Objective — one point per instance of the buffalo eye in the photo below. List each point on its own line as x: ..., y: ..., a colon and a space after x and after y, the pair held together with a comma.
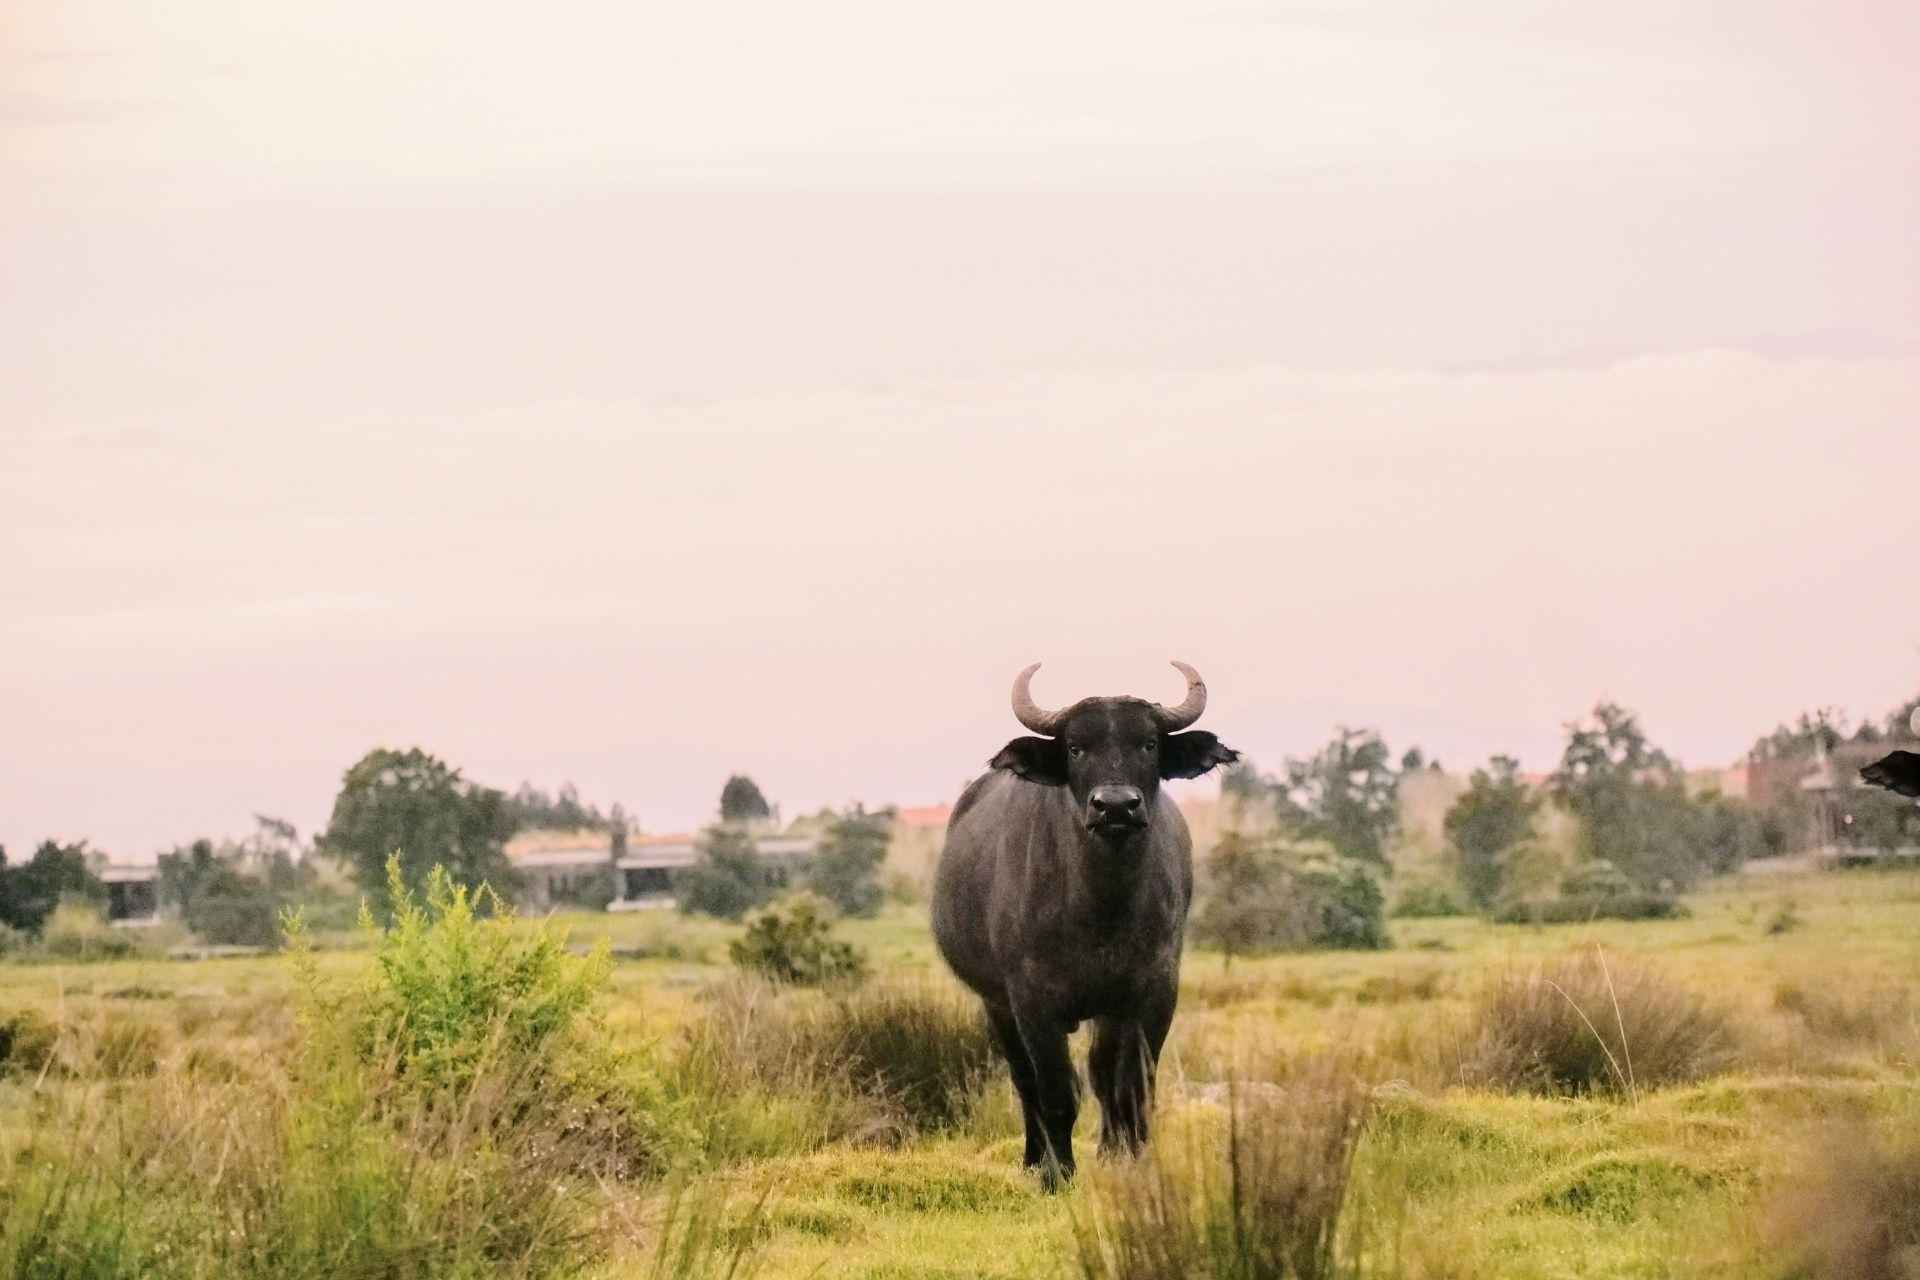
x: 1146, y: 747
x: 1076, y: 752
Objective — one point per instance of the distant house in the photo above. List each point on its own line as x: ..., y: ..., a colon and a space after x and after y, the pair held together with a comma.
x: 566, y: 868
x: 1823, y: 782
x: 133, y: 893
x: 919, y: 833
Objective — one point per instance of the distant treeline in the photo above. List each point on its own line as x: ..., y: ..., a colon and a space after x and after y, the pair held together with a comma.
x: 1615, y: 830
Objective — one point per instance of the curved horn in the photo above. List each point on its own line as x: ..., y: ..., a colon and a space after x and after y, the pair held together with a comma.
x: 1028, y: 712
x: 1173, y: 718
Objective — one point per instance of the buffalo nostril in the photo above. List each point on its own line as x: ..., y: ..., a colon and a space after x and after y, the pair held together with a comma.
x: 1115, y: 801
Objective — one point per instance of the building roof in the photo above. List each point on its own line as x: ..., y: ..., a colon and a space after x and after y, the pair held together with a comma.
x: 924, y: 815
x: 529, y: 842
x: 648, y: 851
x: 537, y: 858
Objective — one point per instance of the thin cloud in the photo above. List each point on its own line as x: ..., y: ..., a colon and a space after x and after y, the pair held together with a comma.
x: 655, y: 594
x: 21, y: 110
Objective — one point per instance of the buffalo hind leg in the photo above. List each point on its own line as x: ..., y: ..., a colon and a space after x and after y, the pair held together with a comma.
x: 1006, y: 1034
x: 1126, y: 1054
x: 1117, y: 1046
x: 1055, y: 1092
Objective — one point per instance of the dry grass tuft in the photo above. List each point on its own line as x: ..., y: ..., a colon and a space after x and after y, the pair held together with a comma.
x: 1263, y: 1201
x: 1857, y: 1216
x: 879, y: 1062
x: 1590, y: 1024
x: 1880, y: 1014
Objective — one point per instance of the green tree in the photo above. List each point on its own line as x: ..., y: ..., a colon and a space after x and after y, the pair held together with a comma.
x: 741, y: 801
x: 1727, y: 831
x: 183, y: 869
x: 1877, y: 819
x: 30, y: 892
x: 1630, y: 801
x: 728, y: 877
x: 1238, y: 903
x: 1344, y: 795
x: 1242, y: 780
x: 1494, y: 814
x: 846, y: 871
x: 1821, y: 729
x: 415, y: 805
x: 532, y: 809
x: 219, y: 899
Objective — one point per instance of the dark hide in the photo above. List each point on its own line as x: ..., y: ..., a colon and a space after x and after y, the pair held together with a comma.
x: 1898, y: 772
x: 1061, y: 898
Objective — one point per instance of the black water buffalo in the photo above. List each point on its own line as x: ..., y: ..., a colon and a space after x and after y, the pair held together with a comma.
x: 1898, y: 772
x: 1062, y: 896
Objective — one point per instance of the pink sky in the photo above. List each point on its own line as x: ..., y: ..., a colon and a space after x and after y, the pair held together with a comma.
x: 636, y: 394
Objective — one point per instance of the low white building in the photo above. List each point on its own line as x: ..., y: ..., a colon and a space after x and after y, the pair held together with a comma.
x: 133, y: 893
x: 559, y: 868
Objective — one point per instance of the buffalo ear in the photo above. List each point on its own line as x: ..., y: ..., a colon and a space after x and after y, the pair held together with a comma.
x: 1041, y: 760
x: 1188, y: 755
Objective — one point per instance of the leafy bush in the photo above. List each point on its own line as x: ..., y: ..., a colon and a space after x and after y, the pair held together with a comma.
x: 453, y: 994
x: 469, y: 1041
x: 1596, y: 878
x: 1429, y: 899
x: 1265, y: 1204
x: 1580, y: 910
x: 1727, y: 831
x: 1342, y: 905
x: 728, y: 879
x: 76, y: 932
x: 237, y: 913
x: 846, y: 871
x: 227, y: 897
x: 792, y: 941
x: 1264, y: 895
x: 1584, y: 1024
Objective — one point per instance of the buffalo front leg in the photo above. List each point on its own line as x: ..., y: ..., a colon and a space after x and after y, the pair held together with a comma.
x: 1006, y: 1034
x: 1054, y: 1092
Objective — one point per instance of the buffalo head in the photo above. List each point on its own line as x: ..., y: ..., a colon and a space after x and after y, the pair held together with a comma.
x: 1111, y: 753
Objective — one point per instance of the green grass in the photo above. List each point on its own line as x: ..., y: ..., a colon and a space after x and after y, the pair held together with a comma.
x: 1448, y: 1179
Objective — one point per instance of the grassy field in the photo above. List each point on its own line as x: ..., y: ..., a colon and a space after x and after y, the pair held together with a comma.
x: 1745, y: 1154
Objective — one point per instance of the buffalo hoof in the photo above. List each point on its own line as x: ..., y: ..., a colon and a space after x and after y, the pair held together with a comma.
x: 1053, y: 1175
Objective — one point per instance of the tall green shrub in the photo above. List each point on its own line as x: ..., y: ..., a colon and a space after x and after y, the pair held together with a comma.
x: 846, y: 871
x: 728, y: 877
x: 1262, y: 895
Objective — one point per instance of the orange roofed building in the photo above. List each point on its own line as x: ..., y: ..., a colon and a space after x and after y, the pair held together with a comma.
x: 919, y: 833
